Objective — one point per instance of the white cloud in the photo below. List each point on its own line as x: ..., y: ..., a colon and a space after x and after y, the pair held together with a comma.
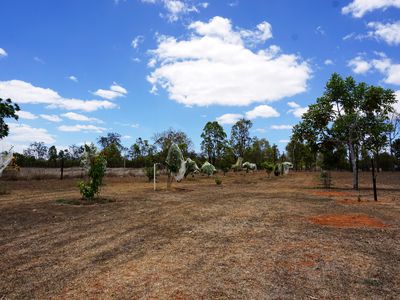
x: 126, y: 137
x: 26, y: 115
x: 262, y: 111
x: 390, y: 70
x: 22, y: 133
x: 213, y: 67
x: 284, y: 141
x: 229, y: 119
x: 25, y: 92
x: 3, y: 53
x: 73, y: 78
x: 262, y: 33
x: 358, y: 8
x: 79, y: 117
x: 328, y: 62
x: 359, y: 65
x: 261, y: 130
x: 51, y: 118
x: 78, y: 128
x: 281, y: 127
x: 137, y: 41
x: 115, y: 91
x: 296, y: 110
x: 176, y: 9
x: 389, y: 32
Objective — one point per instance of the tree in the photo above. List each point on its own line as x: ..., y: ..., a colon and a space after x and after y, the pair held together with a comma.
x: 37, y: 150
x: 165, y: 139
x: 396, y: 149
x: 214, y: 141
x: 112, y: 138
x: 7, y: 110
x: 240, y: 137
x: 52, y: 154
x: 258, y: 151
x: 348, y: 114
x: 74, y: 152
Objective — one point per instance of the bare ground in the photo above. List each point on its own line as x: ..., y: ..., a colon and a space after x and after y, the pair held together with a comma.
x: 253, y: 237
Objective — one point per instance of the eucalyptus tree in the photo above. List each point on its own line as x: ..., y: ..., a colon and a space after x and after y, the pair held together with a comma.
x: 350, y: 114
x: 214, y: 141
x: 240, y: 137
x: 7, y: 110
x: 163, y: 141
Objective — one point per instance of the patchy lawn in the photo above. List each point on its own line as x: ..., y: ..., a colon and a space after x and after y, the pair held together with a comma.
x: 251, y: 237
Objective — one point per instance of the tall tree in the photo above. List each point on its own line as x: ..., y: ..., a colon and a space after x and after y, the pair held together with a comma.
x: 240, y: 137
x: 346, y: 114
x: 112, y: 138
x: 52, y: 153
x: 7, y: 110
x: 163, y: 140
x: 214, y: 141
x: 37, y: 150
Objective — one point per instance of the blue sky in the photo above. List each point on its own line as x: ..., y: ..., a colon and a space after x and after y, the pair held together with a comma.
x: 80, y: 69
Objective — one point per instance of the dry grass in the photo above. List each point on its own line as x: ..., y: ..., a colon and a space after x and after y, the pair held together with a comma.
x: 249, y: 238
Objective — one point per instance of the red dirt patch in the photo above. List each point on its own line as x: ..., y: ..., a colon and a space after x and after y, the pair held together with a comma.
x: 347, y: 221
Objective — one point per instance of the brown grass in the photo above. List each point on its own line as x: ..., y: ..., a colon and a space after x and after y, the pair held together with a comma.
x: 249, y: 238
x: 347, y: 221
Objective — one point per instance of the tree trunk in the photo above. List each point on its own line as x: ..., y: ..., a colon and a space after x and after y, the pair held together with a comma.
x: 353, y: 165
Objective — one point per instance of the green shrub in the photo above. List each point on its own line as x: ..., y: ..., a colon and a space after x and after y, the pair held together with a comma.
x: 149, y: 171
x: 268, y: 167
x: 326, y: 179
x: 97, y: 170
x: 218, y: 181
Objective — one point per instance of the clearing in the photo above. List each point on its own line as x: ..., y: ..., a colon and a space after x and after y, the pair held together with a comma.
x: 252, y: 237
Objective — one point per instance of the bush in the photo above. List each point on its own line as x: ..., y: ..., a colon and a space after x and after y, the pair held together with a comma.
x: 326, y: 179
x: 268, y: 167
x: 97, y: 170
x: 218, y: 181
x: 149, y: 171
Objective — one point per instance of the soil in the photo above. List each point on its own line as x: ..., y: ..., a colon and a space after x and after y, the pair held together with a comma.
x: 252, y: 237
x: 347, y: 221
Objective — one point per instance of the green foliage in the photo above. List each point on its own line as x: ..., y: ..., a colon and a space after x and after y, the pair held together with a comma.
x: 218, y: 181
x: 240, y: 137
x: 278, y: 169
x: 7, y: 110
x: 165, y: 139
x: 214, y: 141
x: 149, y: 171
x: 268, y: 167
x: 208, y: 168
x: 97, y: 170
x: 174, y: 158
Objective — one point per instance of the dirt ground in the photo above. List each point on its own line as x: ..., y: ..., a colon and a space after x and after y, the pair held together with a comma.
x: 253, y: 237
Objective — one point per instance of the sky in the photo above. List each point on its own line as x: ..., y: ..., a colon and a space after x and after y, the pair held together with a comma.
x: 80, y: 69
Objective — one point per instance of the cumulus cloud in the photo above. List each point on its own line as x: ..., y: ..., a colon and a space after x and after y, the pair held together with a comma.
x: 229, y: 119
x: 3, y: 53
x: 262, y: 111
x: 296, y: 109
x: 79, y: 117
x: 382, y: 64
x: 214, y: 67
x: 26, y: 115
x: 78, y: 128
x: 281, y: 127
x: 51, y: 118
x: 22, y: 133
x: 115, y: 91
x: 26, y: 93
x: 389, y: 32
x: 328, y: 62
x: 359, y: 65
x: 359, y: 8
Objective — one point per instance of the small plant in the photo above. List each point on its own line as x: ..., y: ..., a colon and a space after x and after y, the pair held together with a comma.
x: 97, y: 169
x: 277, y: 170
x: 218, y: 181
x: 326, y: 179
x: 268, y: 167
x: 149, y: 171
